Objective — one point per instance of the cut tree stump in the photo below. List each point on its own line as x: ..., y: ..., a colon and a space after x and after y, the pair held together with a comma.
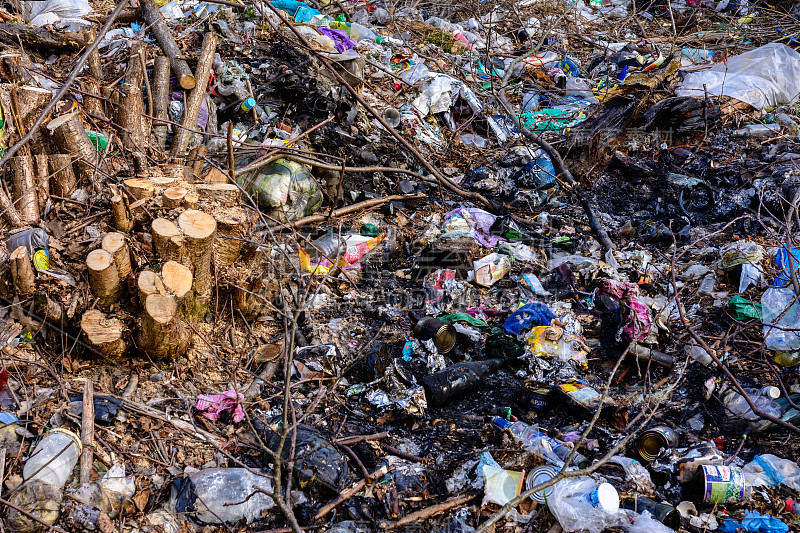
x: 103, y: 277
x: 177, y: 280
x: 140, y: 188
x: 148, y: 283
x: 225, y: 194
x: 120, y: 215
x: 22, y: 272
x: 196, y: 160
x: 167, y: 240
x: 191, y: 200
x: 63, y: 181
x: 23, y: 181
x: 114, y: 243
x: 31, y: 101
x: 173, y: 197
x: 162, y: 334
x: 102, y: 333
x: 70, y: 137
x: 228, y: 243
x: 199, y: 230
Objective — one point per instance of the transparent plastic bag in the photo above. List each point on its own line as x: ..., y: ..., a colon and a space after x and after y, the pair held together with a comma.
x: 569, y: 505
x: 781, y: 314
x: 765, y: 77
x: 63, y: 8
x: 644, y: 523
x: 771, y: 470
x: 286, y: 187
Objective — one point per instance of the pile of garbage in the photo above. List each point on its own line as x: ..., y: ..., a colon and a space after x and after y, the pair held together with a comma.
x: 362, y: 266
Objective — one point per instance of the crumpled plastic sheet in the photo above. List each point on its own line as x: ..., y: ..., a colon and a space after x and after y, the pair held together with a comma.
x: 340, y: 38
x: 477, y: 221
x: 637, y: 322
x: 765, y: 77
x: 212, y: 405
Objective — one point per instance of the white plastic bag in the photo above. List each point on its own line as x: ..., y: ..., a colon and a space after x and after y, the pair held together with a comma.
x: 764, y: 77
x: 63, y: 8
x: 573, y: 511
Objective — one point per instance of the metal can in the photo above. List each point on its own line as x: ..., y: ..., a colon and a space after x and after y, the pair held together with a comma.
x: 537, y: 476
x: 720, y: 484
x: 653, y: 443
x: 443, y: 334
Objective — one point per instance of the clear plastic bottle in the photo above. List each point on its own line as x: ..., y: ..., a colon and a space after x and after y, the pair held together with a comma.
x: 781, y: 315
x: 528, y: 435
x: 698, y: 55
x: 223, y: 496
x: 53, y: 458
x: 757, y: 131
x: 788, y: 122
x: 764, y: 400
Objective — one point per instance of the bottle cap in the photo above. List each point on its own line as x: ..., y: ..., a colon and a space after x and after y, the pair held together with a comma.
x: 789, y: 505
x: 771, y: 392
x: 248, y: 104
x: 379, y: 39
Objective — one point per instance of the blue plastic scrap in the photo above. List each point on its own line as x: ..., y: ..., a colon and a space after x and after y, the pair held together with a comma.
x: 754, y: 522
x: 527, y: 316
x: 786, y: 264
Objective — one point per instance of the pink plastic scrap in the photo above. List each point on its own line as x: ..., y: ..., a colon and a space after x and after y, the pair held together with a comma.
x: 211, y: 405
x: 637, y: 321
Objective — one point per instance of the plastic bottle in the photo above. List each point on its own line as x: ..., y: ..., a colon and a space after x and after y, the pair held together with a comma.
x: 764, y: 399
x: 781, y: 316
x: 697, y: 353
x: 663, y: 512
x: 328, y: 246
x: 234, y: 110
x: 707, y: 285
x: 223, y: 495
x: 357, y: 32
x: 698, y: 55
x: 787, y: 121
x: 456, y: 380
x: 757, y: 131
x: 528, y: 435
x: 53, y: 458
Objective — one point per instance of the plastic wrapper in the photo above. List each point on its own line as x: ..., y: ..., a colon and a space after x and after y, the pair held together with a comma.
x: 644, y: 523
x: 739, y: 253
x: 474, y: 222
x: 785, y: 261
x: 765, y: 77
x: 491, y: 269
x: 573, y: 511
x: 501, y: 486
x: 435, y: 95
x: 551, y: 341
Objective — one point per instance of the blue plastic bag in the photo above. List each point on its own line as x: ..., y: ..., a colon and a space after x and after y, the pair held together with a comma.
x: 755, y: 522
x: 786, y: 261
x: 527, y: 316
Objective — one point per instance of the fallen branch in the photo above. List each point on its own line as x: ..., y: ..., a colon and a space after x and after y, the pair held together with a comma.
x: 349, y: 493
x: 347, y: 210
x: 155, y: 20
x: 424, y: 514
x: 12, y: 33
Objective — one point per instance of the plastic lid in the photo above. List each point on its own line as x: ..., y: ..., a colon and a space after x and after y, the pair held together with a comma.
x: 771, y: 391
x: 607, y: 497
x: 249, y: 104
x: 379, y: 39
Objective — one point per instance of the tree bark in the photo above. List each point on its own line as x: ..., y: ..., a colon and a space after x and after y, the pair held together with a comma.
x: 196, y: 161
x: 87, y: 433
x: 24, y: 189
x: 102, y: 333
x: 225, y: 194
x: 103, y: 277
x: 69, y: 136
x: 155, y: 21
x: 160, y: 100
x: 114, y: 243
x: 11, y: 33
x: 30, y: 101
x: 42, y: 172
x: 199, y: 230
x: 9, y: 211
x: 130, y: 116
x: 22, y: 272
x: 230, y: 228
x: 167, y: 240
x: 162, y: 335
x: 63, y: 181
x: 202, y: 74
x: 92, y: 103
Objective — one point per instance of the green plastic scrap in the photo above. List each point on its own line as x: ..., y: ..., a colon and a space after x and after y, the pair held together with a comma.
x: 744, y: 309
x: 464, y: 317
x: 548, y: 119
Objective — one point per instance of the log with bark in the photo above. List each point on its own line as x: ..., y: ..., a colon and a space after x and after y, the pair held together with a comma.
x: 155, y: 22
x: 224, y: 194
x: 114, y: 243
x: 23, y: 180
x: 196, y: 160
x: 228, y: 242
x: 173, y: 197
x: 70, y: 137
x: 160, y: 100
x: 195, y: 99
x: 42, y: 173
x: 130, y: 117
x: 162, y: 334
x: 62, y: 182
x: 12, y: 33
x: 102, y: 333
x: 120, y: 215
x: 30, y: 102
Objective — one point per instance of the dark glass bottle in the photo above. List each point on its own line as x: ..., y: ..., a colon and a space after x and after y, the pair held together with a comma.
x: 456, y: 380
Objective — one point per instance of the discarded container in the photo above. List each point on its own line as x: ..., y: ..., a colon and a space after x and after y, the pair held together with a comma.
x: 781, y: 319
x: 663, y: 512
x: 530, y: 436
x: 537, y: 476
x: 223, y: 496
x: 655, y: 442
x: 32, y: 239
x: 53, y: 458
x: 757, y: 131
x: 457, y: 380
x: 235, y: 110
x: 491, y: 268
x: 695, y: 457
x: 717, y: 484
x: 443, y: 334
